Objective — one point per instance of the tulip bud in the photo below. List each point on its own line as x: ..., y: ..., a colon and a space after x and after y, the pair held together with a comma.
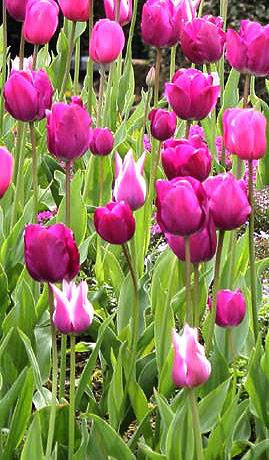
x: 73, y: 312
x: 231, y: 308
x: 50, y: 253
x: 16, y: 9
x: 244, y: 133
x: 41, y: 21
x: 107, y: 41
x: 181, y: 206
x: 101, y: 141
x: 75, y: 10
x: 68, y: 128
x: 228, y: 201
x: 150, y: 78
x: 6, y: 169
x: 130, y: 185
x: 115, y: 222
x: 159, y: 26
x: 125, y: 11
x: 28, y: 94
x: 191, y: 368
x: 191, y: 94
x: 163, y: 123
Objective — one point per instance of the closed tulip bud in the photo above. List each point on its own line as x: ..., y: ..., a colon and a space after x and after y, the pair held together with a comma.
x: 68, y: 129
x: 16, y: 9
x: 150, y: 78
x: 244, y: 133
x: 75, y: 11
x: 228, y: 201
x: 181, y: 206
x: 41, y: 21
x: 115, y: 222
x: 27, y: 63
x: 101, y: 141
x: 191, y: 94
x: 130, y: 185
x: 50, y: 253
x: 191, y: 368
x: 125, y: 15
x: 107, y: 41
x: 6, y: 169
x: 231, y: 308
x: 247, y: 51
x: 162, y: 123
x: 73, y: 312
x: 28, y: 94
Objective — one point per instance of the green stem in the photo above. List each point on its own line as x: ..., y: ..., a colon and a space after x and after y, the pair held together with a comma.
x: 111, y: 76
x: 101, y: 189
x: 252, y: 252
x: 141, y: 147
x: 90, y: 61
x: 77, y: 66
x: 118, y: 11
x: 173, y: 61
x: 68, y: 60
x: 246, y: 90
x: 22, y: 43
x: 34, y: 171
x: 67, y: 193
x: 4, y: 64
x: 233, y: 239
x: 212, y: 316
x: 19, y: 161
x: 233, y: 360
x: 88, y: 178
x: 189, y: 313
x: 187, y: 128
x: 131, y: 31
x: 196, y: 295
x: 223, y: 12
x: 100, y: 96
x: 35, y: 56
x: 196, y: 425
x: 62, y: 367
x: 157, y: 77
x: 200, y: 12
x: 71, y: 439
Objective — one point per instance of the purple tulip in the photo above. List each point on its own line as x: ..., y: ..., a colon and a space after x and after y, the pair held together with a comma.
x: 68, y: 129
x: 130, y: 185
x: 41, y: 21
x: 228, y: 200
x: 244, y: 133
x: 191, y: 368
x: 231, y: 308
x: 107, y: 41
x: 247, y: 51
x: 191, y: 94
x: 6, y: 169
x: 75, y: 11
x: 181, y: 206
x: 50, y: 253
x: 28, y: 94
x: 73, y: 312
x: 101, y: 141
x: 115, y: 222
x: 162, y: 123
x: 125, y: 10
x: 16, y: 9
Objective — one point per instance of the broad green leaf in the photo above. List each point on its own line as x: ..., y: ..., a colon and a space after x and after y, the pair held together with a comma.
x: 92, y: 183
x: 113, y: 270
x: 116, y: 391
x: 167, y: 416
x: 140, y: 406
x: 10, y: 397
x: 255, y: 452
x: 210, y: 407
x: 33, y: 443
x: 150, y: 453
x: 179, y: 442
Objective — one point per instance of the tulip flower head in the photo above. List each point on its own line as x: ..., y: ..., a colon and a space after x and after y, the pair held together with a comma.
x: 41, y: 21
x: 75, y: 10
x: 73, y: 312
x: 115, y: 222
x: 107, y: 41
x: 101, y: 141
x: 130, y: 185
x: 125, y: 10
x: 162, y: 123
x: 187, y: 10
x: 6, y: 169
x: 231, y: 308
x: 16, y: 9
x: 191, y: 368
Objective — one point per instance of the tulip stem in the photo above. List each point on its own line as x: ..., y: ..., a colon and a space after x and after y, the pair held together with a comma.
x: 117, y: 11
x: 68, y: 60
x: 100, y: 96
x: 22, y: 43
x: 149, y: 95
x: 200, y: 12
x: 196, y: 425
x: 131, y: 31
x: 157, y: 77
x: 246, y: 90
x: 62, y: 367
x: 72, y: 398
x: 77, y: 66
x: 19, y: 172
x: 107, y: 108
x: 67, y: 193
x: 189, y: 315
x: 35, y: 56
x: 196, y: 295
x: 233, y: 239
x: 233, y: 360
x: 212, y: 316
x: 34, y: 170
x: 187, y: 128
x: 54, y: 380
x: 101, y: 189
x: 173, y: 61
x: 252, y: 252
x: 223, y: 12
x: 4, y: 64
x: 90, y: 61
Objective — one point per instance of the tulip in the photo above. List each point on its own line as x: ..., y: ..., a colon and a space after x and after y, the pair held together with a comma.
x: 73, y: 312
x: 130, y: 185
x: 247, y: 51
x: 160, y: 23
x: 231, y: 308
x: 75, y: 10
x: 245, y: 133
x: 68, y: 128
x: 50, y: 253
x: 28, y: 94
x: 191, y: 94
x: 181, y: 206
x: 191, y: 368
x: 115, y: 222
x: 101, y: 141
x: 202, y: 245
x: 125, y: 15
x: 187, y: 10
x: 107, y: 41
x: 228, y: 201
x: 41, y: 21
x: 16, y: 8
x: 186, y: 157
x: 6, y: 169
x: 163, y: 123
x: 26, y: 65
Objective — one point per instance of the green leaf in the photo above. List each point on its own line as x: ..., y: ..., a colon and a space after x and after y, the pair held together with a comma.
x: 113, y: 270
x: 179, y: 442
x: 263, y: 165
x: 255, y: 453
x: 115, y: 391
x: 140, y: 406
x: 210, y: 407
x: 92, y: 182
x: 10, y: 397
x: 33, y: 444
x: 167, y: 416
x: 150, y: 453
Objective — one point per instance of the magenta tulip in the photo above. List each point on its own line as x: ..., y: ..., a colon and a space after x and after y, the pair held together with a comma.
x: 125, y: 15
x: 191, y: 368
x: 16, y: 9
x: 231, y: 308
x: 101, y: 141
x: 50, y: 253
x: 73, y: 312
x: 41, y: 21
x: 28, y: 94
x: 162, y: 123
x: 187, y: 10
x: 75, y: 10
x: 130, y: 185
x: 191, y: 94
x: 6, y: 169
x: 228, y: 201
x: 68, y: 128
x: 107, y: 41
x: 247, y: 51
x: 181, y: 206
x: 115, y: 222
x: 245, y: 133
x: 202, y: 39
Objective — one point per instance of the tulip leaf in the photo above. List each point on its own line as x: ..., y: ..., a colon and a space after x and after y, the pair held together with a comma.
x: 10, y: 397
x: 255, y: 452
x: 115, y: 391
x: 211, y: 405
x: 150, y: 453
x: 140, y: 406
x: 92, y: 190
x: 263, y: 164
x: 179, y: 442
x: 113, y: 270
x: 33, y: 443
x: 126, y: 88
x: 167, y: 416
x: 230, y: 95
x: 57, y: 67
